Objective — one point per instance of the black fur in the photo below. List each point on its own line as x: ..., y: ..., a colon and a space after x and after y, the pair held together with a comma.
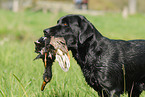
x: 102, y: 59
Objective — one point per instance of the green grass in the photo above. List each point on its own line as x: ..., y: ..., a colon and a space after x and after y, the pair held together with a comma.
x: 21, y: 76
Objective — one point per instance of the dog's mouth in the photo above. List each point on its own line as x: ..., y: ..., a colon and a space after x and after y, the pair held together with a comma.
x: 49, y: 49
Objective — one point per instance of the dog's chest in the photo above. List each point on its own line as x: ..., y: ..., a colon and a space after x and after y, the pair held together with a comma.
x: 89, y: 75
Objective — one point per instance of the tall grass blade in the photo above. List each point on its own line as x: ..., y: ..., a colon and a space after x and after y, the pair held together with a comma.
x: 131, y: 89
x: 25, y: 93
x: 102, y: 93
x: 2, y: 93
x: 123, y: 68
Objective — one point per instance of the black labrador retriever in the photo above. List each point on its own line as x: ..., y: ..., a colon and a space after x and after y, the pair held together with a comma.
x: 109, y: 66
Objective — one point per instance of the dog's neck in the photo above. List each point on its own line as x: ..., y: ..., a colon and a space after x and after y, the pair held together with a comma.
x: 82, y: 52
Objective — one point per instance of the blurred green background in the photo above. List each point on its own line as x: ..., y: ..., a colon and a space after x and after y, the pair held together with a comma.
x: 21, y: 76
x: 107, y: 5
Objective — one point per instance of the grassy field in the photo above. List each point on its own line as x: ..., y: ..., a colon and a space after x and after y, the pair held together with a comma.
x: 21, y: 76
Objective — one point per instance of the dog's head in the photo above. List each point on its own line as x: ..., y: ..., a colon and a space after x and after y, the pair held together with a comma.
x: 74, y: 28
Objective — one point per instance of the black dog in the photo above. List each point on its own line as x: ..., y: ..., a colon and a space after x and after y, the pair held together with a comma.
x: 109, y: 66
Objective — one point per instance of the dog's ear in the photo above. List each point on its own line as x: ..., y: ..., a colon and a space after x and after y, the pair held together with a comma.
x: 86, y: 31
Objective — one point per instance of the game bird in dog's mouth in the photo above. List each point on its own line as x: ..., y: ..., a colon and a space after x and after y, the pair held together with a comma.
x: 49, y: 49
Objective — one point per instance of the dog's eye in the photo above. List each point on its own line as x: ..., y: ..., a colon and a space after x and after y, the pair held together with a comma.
x: 65, y: 24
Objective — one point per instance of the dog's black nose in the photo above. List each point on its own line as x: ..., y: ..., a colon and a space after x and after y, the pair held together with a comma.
x: 46, y: 32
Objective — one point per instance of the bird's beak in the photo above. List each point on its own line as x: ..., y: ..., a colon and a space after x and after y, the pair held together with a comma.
x: 43, y: 85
